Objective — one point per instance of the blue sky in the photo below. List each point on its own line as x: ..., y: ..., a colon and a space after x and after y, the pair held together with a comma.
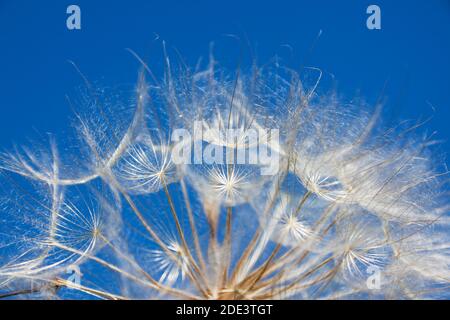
x: 411, y: 50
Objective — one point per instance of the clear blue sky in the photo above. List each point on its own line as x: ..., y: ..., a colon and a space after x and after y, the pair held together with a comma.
x: 412, y: 50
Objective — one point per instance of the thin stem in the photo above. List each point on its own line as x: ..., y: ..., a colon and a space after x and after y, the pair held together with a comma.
x: 94, y: 292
